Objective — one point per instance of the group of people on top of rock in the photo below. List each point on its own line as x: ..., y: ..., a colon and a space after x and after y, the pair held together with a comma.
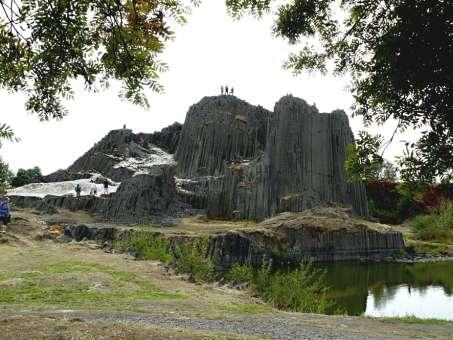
x: 226, y: 90
x: 93, y: 188
x: 5, y: 212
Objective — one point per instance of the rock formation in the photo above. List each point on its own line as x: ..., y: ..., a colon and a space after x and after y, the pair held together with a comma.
x: 302, y: 166
x: 320, y: 234
x: 219, y: 129
x: 236, y: 160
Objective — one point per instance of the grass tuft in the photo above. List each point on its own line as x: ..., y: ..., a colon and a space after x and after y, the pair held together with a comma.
x: 410, y: 319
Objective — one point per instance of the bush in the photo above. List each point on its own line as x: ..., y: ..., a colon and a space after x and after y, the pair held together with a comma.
x: 438, y: 226
x: 302, y: 289
x: 240, y: 273
x: 193, y: 258
x: 147, y: 246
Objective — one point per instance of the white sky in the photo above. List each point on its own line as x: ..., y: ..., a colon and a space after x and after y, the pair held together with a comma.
x: 212, y: 49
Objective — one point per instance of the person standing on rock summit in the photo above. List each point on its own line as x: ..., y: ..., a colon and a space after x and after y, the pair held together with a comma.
x: 226, y: 90
x: 221, y: 90
x: 232, y: 90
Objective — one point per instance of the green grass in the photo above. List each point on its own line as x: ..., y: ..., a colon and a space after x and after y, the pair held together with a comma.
x: 421, y: 247
x: 302, y: 289
x: 410, y: 319
x: 240, y: 273
x: 193, y: 258
x: 76, y: 285
x: 435, y: 227
x: 189, y: 257
x: 147, y: 245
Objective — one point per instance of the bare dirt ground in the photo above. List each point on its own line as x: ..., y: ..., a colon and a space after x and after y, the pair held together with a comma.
x: 50, y: 290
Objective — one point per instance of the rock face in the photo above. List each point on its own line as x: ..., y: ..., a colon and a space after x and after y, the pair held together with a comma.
x: 219, y: 129
x: 139, y: 199
x: 166, y: 139
x: 236, y: 160
x: 142, y: 197
x: 321, y: 234
x: 305, y: 153
x: 302, y: 167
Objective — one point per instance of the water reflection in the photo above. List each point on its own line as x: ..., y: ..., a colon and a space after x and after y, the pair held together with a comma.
x: 390, y: 289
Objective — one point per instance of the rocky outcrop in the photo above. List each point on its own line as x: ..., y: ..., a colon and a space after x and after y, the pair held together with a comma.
x: 236, y: 160
x: 63, y: 175
x: 240, y: 193
x: 166, y: 139
x: 219, y: 129
x: 302, y: 167
x: 142, y: 199
x: 114, y: 149
x: 321, y: 234
x: 305, y: 153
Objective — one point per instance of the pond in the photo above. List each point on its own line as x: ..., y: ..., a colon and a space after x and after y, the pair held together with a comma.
x: 424, y: 290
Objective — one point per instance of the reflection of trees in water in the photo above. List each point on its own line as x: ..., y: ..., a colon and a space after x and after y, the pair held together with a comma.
x: 351, y: 282
x: 434, y: 274
x: 383, y: 294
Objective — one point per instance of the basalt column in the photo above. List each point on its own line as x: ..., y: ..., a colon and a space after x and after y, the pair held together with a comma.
x: 305, y: 156
x: 220, y: 129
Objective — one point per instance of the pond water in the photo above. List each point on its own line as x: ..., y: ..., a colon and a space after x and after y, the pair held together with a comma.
x: 424, y: 290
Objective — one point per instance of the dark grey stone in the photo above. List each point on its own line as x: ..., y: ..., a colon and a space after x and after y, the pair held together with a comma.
x: 219, y: 129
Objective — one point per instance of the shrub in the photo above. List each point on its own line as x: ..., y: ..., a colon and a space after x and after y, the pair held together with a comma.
x: 438, y: 226
x: 240, y: 273
x: 147, y: 246
x: 302, y: 289
x: 193, y: 258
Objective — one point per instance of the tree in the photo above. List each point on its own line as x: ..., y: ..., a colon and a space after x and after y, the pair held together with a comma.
x: 389, y: 172
x: 399, y: 54
x: 45, y: 45
x: 5, y: 176
x: 26, y: 176
x: 363, y: 161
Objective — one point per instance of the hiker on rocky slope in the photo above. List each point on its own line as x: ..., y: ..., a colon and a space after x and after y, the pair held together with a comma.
x: 78, y: 189
x: 106, y: 187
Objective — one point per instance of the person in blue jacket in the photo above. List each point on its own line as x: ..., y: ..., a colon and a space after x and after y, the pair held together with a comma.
x: 5, y: 212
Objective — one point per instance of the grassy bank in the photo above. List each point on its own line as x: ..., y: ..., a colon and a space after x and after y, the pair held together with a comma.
x: 72, y: 284
x: 410, y: 319
x: 302, y: 289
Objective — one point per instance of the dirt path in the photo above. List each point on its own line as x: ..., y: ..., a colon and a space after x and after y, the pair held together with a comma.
x: 268, y: 326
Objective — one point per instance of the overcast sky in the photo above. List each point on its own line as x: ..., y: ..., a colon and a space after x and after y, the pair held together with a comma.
x: 210, y: 50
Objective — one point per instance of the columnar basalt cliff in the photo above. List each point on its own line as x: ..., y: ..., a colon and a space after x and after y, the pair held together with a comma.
x: 302, y: 166
x: 230, y: 160
x: 219, y: 129
x: 236, y: 160
x: 305, y: 153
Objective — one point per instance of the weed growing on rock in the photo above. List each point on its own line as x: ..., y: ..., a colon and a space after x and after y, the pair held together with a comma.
x: 193, y: 258
x: 147, y: 246
x: 240, y: 273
